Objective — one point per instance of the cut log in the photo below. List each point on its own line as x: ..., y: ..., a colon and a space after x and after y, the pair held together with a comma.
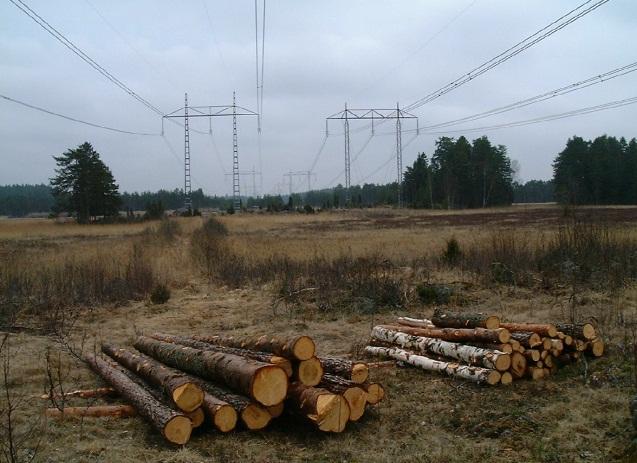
x: 595, y: 347
x: 222, y: 415
x: 469, y: 354
x: 446, y: 319
x: 95, y: 411
x: 355, y: 395
x: 375, y: 392
x: 539, y: 364
x: 293, y: 348
x: 309, y: 371
x: 532, y: 355
x: 276, y: 411
x: 264, y: 382
x: 543, y: 329
x: 515, y: 344
x: 580, y: 346
x: 506, y: 347
x: 548, y: 361
x: 518, y: 365
x: 328, y: 411
x: 174, y: 426
x: 348, y: 369
x: 527, y: 338
x: 475, y: 374
x: 196, y: 343
x: 479, y: 335
x: 507, y: 378
x: 381, y: 365
x: 583, y: 331
x: 253, y: 416
x: 83, y: 393
x: 197, y: 417
x: 186, y: 395
x: 543, y: 354
x: 535, y: 373
x: 415, y: 322
x: 547, y: 344
x: 557, y: 344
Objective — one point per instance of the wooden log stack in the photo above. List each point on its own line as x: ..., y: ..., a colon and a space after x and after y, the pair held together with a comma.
x: 178, y: 383
x: 481, y: 348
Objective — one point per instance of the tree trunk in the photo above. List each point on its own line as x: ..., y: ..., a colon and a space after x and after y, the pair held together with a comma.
x: 446, y: 319
x: 97, y: 411
x: 252, y: 415
x: 354, y: 371
x: 174, y: 426
x: 293, y: 348
x: 415, y: 322
x: 83, y: 393
x: 456, y: 334
x: 328, y: 411
x: 584, y: 331
x: 543, y: 329
x: 309, y: 372
x: 518, y: 365
x: 476, y: 374
x: 527, y: 338
x: 195, y: 343
x: 355, y: 395
x: 264, y: 382
x: 469, y: 354
x: 186, y: 395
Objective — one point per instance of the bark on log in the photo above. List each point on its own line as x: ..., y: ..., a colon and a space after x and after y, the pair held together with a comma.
x: 221, y: 414
x: 293, y: 348
x: 264, y: 382
x: 532, y: 355
x: 83, y: 393
x: 476, y: 374
x: 329, y: 412
x: 543, y: 329
x: 528, y: 339
x: 196, y: 343
x: 583, y: 331
x: 355, y: 395
x: 174, y: 426
x: 252, y: 415
x: 446, y: 319
x: 518, y: 365
x: 186, y: 395
x: 469, y: 354
x: 95, y: 411
x: 348, y: 369
x: 415, y: 322
x: 308, y: 372
x: 479, y: 335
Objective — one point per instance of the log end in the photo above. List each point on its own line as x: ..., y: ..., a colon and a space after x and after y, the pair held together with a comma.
x: 551, y: 331
x: 493, y: 377
x: 225, y: 418
x: 283, y: 363
x: 332, y: 413
x: 492, y: 323
x: 255, y: 417
x: 504, y: 335
x: 178, y: 429
x: 304, y: 348
x: 506, y: 378
x: 310, y: 371
x: 518, y: 365
x: 188, y: 397
x: 270, y: 385
x: 197, y: 417
x: 360, y: 372
x: 356, y: 400
x: 502, y: 362
x: 588, y: 331
x: 597, y: 347
x: 375, y: 393
x: 276, y: 411
x: 535, y: 340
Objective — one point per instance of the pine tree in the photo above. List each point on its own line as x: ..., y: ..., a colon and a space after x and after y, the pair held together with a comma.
x: 84, y: 185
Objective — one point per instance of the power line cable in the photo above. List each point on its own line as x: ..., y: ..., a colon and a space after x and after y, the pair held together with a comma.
x: 214, y: 36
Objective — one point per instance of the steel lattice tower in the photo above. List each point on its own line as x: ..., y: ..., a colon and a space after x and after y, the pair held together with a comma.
x: 187, y: 183
x: 348, y: 178
x: 399, y: 156
x: 236, y: 191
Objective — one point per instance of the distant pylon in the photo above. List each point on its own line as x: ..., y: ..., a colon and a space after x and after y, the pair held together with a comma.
x: 187, y: 183
x: 236, y: 191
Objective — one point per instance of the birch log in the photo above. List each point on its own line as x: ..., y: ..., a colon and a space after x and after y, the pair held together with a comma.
x: 415, y: 322
x: 475, y: 374
x: 469, y: 354
x: 456, y: 334
x: 95, y: 411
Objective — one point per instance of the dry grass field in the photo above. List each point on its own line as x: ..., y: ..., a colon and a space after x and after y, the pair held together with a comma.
x: 64, y: 288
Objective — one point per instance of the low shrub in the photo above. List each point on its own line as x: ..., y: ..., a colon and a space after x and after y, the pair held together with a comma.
x: 160, y: 294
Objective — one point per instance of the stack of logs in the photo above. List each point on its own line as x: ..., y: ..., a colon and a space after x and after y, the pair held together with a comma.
x: 178, y: 383
x: 479, y: 348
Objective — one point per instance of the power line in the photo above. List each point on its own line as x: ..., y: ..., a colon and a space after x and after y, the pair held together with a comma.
x: 73, y: 119
x: 214, y: 36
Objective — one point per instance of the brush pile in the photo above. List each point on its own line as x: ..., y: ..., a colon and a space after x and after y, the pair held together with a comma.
x: 479, y: 348
x: 178, y: 383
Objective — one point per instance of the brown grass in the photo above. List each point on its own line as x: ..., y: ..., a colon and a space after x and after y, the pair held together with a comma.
x: 581, y: 414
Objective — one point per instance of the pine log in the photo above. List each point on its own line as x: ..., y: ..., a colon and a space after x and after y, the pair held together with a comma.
x: 375, y: 392
x: 507, y: 378
x: 527, y: 338
x: 584, y: 331
x: 348, y: 369
x: 252, y: 415
x: 174, y: 426
x: 83, y: 393
x: 196, y: 343
x: 186, y: 395
x: 447, y: 319
x: 548, y: 361
x: 532, y: 355
x: 515, y: 344
x: 456, y: 334
x: 557, y: 344
x: 293, y: 348
x: 355, y: 395
x: 95, y: 411
x: 535, y: 373
x: 476, y: 374
x: 539, y: 364
x: 222, y: 415
x: 566, y: 339
x: 308, y: 372
x: 264, y: 382
x: 415, y: 322
x: 328, y: 411
x: 469, y: 354
x: 547, y: 344
x: 543, y: 354
x: 197, y: 417
x: 506, y: 347
x: 595, y: 347
x: 543, y: 329
x: 518, y: 365
x: 276, y: 411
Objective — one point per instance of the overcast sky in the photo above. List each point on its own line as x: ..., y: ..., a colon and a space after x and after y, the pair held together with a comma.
x: 318, y: 55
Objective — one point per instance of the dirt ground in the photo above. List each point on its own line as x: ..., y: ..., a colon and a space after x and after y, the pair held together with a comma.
x: 578, y: 415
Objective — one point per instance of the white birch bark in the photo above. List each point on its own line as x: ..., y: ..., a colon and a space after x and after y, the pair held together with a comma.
x: 416, y: 322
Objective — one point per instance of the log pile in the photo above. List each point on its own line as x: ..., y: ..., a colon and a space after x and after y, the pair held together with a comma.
x: 178, y: 383
x: 480, y: 348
